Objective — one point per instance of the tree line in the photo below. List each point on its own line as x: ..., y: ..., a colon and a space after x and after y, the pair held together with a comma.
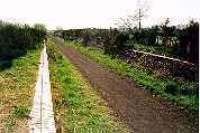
x: 16, y: 39
x: 183, y: 41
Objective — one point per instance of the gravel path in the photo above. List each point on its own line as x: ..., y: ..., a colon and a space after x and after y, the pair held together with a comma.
x: 42, y: 116
x: 136, y: 107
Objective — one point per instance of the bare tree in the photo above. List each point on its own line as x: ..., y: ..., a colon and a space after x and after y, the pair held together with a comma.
x: 136, y: 18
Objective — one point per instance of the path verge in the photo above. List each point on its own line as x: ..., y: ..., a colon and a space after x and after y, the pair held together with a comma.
x: 16, y: 92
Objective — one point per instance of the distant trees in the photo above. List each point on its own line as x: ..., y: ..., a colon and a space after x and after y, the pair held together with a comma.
x: 180, y: 42
x: 145, y: 36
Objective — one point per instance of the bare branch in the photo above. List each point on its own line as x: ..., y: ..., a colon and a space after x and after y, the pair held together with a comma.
x: 139, y: 14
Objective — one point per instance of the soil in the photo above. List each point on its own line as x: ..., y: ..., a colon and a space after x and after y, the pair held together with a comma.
x: 134, y: 106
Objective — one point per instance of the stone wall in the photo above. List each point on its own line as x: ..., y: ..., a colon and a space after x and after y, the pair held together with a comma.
x: 162, y: 65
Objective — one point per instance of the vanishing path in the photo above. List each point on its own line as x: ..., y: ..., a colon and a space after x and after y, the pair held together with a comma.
x: 42, y: 116
x: 133, y: 105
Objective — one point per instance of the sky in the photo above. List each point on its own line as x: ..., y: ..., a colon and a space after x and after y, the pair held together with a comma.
x: 70, y: 14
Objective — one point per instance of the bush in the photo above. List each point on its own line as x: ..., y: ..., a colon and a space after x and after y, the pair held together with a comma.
x: 115, y: 42
x: 16, y: 39
x: 172, y: 88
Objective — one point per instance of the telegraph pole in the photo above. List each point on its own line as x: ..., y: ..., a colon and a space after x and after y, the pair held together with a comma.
x: 140, y: 19
x: 139, y: 15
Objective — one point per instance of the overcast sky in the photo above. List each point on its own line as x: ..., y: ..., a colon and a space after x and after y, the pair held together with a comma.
x: 94, y: 13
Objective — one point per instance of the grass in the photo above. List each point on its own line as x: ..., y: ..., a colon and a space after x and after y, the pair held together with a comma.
x: 78, y: 107
x: 16, y: 90
x: 161, y: 50
x: 141, y: 77
x: 21, y: 111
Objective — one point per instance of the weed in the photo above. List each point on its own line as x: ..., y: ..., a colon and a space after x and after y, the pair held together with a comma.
x: 21, y: 111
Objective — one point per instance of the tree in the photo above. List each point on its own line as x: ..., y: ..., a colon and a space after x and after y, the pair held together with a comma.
x: 167, y: 32
x: 41, y: 32
x: 40, y: 27
x: 189, y: 41
x: 115, y: 42
x: 139, y: 14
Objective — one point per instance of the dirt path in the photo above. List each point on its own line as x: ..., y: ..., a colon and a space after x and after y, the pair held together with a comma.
x: 42, y: 116
x: 137, y: 108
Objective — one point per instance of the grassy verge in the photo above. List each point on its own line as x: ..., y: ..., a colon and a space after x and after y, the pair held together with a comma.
x: 148, y: 81
x: 77, y: 106
x: 16, y: 91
